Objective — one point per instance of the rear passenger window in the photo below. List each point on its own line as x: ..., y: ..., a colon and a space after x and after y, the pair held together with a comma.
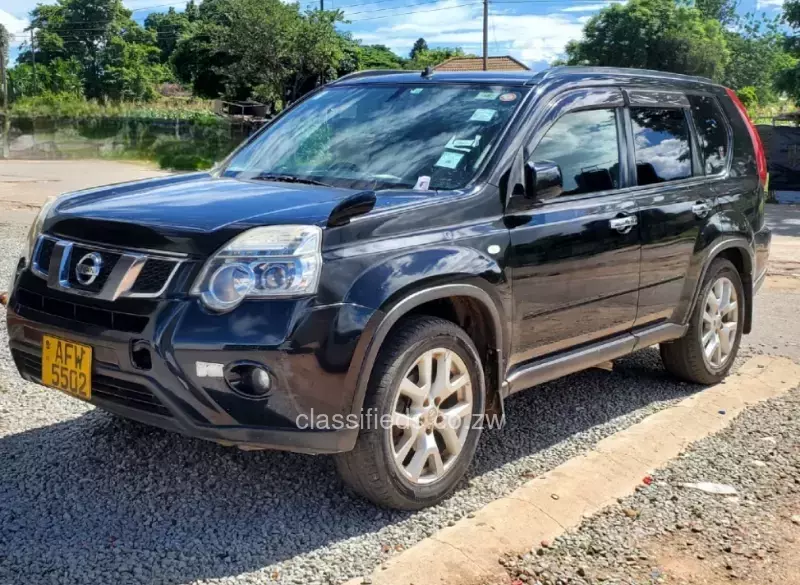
x: 661, y: 144
x: 585, y: 146
x: 711, y: 133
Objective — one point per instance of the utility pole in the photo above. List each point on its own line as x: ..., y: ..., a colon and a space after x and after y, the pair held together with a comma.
x: 33, y: 61
x: 3, y: 75
x: 322, y: 4
x: 486, y: 35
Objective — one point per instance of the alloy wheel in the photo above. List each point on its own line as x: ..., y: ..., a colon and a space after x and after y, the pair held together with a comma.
x: 720, y: 323
x: 432, y: 416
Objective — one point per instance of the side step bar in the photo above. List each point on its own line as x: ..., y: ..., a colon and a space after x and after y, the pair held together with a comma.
x: 580, y: 359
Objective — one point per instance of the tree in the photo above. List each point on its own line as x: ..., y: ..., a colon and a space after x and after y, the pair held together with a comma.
x: 653, y: 34
x: 264, y: 49
x: 432, y: 57
x: 116, y: 58
x: 420, y: 46
x: 789, y: 78
x: 379, y: 57
x: 757, y: 59
x: 722, y: 10
x: 748, y: 96
x: 169, y: 27
x: 59, y: 77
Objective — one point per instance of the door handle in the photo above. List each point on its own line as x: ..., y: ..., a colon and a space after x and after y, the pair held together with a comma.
x: 623, y: 224
x: 701, y: 209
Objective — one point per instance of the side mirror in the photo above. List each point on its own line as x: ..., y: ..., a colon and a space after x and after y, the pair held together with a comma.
x: 543, y: 180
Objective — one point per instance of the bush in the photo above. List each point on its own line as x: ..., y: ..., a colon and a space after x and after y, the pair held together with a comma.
x: 181, y: 156
x: 69, y: 106
x: 748, y: 96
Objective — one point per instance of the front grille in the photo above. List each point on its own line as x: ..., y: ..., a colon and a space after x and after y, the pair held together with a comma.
x: 151, y: 281
x: 109, y: 261
x: 128, y: 394
x: 118, y: 391
x: 153, y: 277
x: 115, y: 320
x: 45, y: 253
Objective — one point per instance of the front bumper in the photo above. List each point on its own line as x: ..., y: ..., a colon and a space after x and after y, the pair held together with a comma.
x: 308, y: 350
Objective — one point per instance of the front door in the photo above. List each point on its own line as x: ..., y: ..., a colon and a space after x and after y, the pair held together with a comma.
x: 575, y: 257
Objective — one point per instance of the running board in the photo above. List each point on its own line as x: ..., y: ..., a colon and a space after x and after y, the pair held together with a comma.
x: 581, y: 359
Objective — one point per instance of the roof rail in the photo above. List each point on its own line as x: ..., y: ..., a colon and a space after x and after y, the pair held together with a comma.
x: 630, y: 72
x: 370, y: 73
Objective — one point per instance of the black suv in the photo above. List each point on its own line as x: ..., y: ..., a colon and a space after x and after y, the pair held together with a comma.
x: 375, y: 271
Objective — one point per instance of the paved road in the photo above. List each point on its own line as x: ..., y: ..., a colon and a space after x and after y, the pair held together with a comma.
x: 24, y: 185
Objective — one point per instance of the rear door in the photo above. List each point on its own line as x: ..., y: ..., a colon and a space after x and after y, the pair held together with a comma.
x: 672, y: 195
x: 575, y: 258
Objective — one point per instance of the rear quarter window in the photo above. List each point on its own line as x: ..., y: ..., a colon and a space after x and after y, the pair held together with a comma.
x: 712, y: 133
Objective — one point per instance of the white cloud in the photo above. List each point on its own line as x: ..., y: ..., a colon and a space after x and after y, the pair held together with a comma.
x: 529, y: 37
x: 162, y: 5
x: 587, y: 7
x: 769, y: 3
x: 14, y: 26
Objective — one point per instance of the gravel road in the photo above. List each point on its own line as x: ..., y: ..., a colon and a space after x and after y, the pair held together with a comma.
x: 86, y: 497
x: 668, y: 532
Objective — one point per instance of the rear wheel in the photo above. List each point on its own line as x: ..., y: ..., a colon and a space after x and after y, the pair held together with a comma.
x: 706, y: 353
x: 418, y: 434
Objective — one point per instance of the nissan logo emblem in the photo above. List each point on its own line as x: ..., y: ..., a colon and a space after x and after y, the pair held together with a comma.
x: 88, y: 268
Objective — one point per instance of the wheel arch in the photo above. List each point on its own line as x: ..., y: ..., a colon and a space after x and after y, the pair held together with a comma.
x: 738, y: 249
x: 468, y: 304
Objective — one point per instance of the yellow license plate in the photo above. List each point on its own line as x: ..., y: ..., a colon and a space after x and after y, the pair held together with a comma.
x: 67, y: 365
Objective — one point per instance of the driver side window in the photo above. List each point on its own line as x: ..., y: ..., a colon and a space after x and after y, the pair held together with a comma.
x: 585, y: 146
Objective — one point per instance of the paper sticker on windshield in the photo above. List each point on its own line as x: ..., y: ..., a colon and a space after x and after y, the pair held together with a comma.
x: 416, y: 90
x: 463, y: 145
x: 508, y: 97
x: 423, y: 183
x: 449, y: 160
x: 487, y: 95
x: 482, y: 115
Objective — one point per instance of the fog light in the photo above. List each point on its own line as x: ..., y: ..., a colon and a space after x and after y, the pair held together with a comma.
x: 250, y: 379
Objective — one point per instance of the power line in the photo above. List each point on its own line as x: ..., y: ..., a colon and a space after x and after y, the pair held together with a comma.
x: 420, y: 11
x: 559, y: 2
x: 65, y: 30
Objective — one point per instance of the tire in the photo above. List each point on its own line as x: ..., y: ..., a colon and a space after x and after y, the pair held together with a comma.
x: 370, y: 469
x: 686, y: 358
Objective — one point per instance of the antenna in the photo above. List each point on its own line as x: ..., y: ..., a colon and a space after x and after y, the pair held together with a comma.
x: 428, y: 72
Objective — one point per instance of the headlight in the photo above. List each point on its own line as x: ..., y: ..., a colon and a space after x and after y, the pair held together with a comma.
x: 266, y: 262
x: 36, y: 228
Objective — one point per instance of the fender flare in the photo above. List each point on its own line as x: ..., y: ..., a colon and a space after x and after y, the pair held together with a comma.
x: 373, y: 343
x: 714, y: 250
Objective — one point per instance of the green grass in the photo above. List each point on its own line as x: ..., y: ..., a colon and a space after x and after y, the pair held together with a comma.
x: 60, y: 106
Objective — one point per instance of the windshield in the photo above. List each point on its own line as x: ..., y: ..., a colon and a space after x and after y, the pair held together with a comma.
x: 382, y: 137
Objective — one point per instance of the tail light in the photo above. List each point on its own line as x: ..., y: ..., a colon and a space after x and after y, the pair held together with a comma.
x: 758, y: 146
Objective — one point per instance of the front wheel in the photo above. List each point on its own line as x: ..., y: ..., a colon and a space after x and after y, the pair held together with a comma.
x: 421, y: 417
x: 706, y: 353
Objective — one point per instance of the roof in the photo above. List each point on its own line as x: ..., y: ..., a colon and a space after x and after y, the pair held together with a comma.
x: 523, y: 77
x: 504, y: 63
x: 478, y: 77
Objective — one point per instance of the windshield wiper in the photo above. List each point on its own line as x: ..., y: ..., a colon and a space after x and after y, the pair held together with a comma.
x: 288, y: 179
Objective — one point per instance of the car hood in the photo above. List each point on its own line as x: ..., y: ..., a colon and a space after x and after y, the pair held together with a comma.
x: 192, y: 213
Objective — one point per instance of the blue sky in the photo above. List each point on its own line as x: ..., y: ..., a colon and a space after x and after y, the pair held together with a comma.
x: 533, y: 31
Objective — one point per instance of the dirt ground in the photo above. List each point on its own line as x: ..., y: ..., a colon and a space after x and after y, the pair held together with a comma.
x: 694, y: 558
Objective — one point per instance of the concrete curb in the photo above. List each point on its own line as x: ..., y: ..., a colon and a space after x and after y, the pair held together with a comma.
x: 543, y: 508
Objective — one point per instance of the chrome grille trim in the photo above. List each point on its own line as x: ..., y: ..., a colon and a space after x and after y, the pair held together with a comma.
x: 118, y: 284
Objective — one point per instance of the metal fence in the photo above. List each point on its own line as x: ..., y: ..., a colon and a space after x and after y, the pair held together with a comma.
x: 782, y: 144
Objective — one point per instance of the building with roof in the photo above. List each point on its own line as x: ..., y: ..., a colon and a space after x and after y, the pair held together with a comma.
x: 503, y: 63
